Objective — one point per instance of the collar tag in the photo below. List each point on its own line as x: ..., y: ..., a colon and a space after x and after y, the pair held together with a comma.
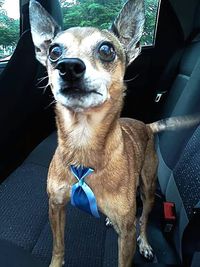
x: 82, y: 195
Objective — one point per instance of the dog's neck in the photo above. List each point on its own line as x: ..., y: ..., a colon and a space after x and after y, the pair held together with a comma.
x: 88, y: 139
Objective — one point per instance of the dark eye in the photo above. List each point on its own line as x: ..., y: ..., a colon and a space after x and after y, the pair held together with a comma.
x: 106, y: 52
x: 55, y: 52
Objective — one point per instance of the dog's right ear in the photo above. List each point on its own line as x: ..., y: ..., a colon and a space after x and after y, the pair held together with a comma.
x: 43, y: 29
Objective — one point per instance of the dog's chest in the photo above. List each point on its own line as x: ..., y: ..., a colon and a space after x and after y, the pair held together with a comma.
x: 115, y: 171
x: 114, y: 186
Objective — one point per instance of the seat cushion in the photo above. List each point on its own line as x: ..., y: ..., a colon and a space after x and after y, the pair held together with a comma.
x: 24, y: 220
x: 20, y: 257
x: 183, y: 99
x: 43, y: 153
x: 182, y: 184
x: 23, y: 205
x: 187, y: 173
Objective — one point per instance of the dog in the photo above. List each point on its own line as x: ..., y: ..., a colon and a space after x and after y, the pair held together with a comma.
x: 86, y: 68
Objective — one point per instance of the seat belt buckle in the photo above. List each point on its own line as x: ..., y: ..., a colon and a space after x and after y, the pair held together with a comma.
x: 169, y: 217
x: 159, y: 96
x: 196, y: 209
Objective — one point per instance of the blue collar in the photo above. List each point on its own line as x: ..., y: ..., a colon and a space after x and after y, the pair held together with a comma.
x: 82, y: 195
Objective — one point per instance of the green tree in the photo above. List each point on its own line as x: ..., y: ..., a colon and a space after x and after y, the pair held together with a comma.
x: 1, y: 3
x: 96, y: 13
x: 9, y: 32
x: 100, y: 13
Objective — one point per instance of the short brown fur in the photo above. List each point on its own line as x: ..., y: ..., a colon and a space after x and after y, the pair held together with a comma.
x: 123, y: 157
x: 121, y: 151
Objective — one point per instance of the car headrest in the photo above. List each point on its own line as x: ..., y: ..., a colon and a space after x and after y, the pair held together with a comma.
x: 196, y: 23
x: 52, y: 6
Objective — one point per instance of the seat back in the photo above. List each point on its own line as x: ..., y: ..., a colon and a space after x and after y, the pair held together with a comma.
x: 183, y: 187
x: 24, y: 113
x: 183, y: 98
x: 178, y: 153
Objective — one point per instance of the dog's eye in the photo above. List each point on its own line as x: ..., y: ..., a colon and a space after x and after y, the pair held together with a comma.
x: 106, y: 52
x: 55, y: 53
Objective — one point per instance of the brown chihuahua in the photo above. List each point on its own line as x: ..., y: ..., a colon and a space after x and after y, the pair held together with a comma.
x: 86, y: 67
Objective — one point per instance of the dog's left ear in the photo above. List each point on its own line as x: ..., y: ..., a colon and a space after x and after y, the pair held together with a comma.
x: 43, y: 29
x: 128, y: 27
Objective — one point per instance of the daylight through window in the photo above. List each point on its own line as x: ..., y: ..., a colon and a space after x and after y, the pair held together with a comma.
x: 97, y: 13
x: 9, y: 27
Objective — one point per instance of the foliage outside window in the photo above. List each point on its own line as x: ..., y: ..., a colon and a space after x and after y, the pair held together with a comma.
x: 97, y: 13
x: 9, y: 32
x: 100, y: 13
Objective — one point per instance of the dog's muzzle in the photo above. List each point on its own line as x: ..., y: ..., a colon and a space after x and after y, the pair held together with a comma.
x: 73, y: 88
x: 71, y: 72
x: 71, y: 69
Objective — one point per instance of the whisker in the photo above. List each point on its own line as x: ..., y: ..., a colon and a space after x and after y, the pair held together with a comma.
x: 41, y: 87
x: 44, y: 88
x: 41, y: 79
x: 132, y: 79
x: 53, y: 102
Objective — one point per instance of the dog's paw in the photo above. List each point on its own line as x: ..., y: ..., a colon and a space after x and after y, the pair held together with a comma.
x: 108, y: 222
x: 145, y: 249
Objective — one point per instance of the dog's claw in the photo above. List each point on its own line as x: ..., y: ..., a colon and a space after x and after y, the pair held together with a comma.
x: 56, y: 262
x: 145, y: 249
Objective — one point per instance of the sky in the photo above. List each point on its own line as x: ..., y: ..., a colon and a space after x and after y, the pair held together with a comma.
x: 12, y: 8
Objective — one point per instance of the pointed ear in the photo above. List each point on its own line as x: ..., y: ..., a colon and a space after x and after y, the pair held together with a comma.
x: 43, y: 29
x: 128, y: 27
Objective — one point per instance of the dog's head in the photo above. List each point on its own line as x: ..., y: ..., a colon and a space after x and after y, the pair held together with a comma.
x: 86, y: 66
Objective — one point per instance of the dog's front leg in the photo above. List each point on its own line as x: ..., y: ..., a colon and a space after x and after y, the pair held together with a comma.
x: 126, y: 244
x: 57, y: 221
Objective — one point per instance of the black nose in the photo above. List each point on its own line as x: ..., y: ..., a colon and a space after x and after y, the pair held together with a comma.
x: 71, y: 69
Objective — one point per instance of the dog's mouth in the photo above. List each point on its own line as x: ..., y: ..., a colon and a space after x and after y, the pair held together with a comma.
x: 78, y: 98
x: 77, y: 92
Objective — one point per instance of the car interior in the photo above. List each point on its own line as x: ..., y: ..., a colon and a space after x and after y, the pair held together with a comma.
x: 164, y: 81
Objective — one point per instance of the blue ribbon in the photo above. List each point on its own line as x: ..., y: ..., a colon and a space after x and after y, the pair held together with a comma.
x: 82, y: 195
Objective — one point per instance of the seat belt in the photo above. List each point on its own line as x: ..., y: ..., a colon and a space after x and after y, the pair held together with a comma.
x: 170, y: 72
x: 191, y: 239
x: 168, y: 75
x: 196, y: 259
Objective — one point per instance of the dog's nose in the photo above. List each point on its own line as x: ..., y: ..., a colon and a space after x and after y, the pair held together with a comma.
x: 71, y: 69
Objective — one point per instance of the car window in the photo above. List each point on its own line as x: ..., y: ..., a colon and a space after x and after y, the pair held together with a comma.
x: 100, y: 13
x: 151, y: 15
x: 9, y: 27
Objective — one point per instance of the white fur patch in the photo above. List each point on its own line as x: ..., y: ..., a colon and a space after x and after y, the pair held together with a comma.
x: 93, y: 81
x: 79, y: 133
